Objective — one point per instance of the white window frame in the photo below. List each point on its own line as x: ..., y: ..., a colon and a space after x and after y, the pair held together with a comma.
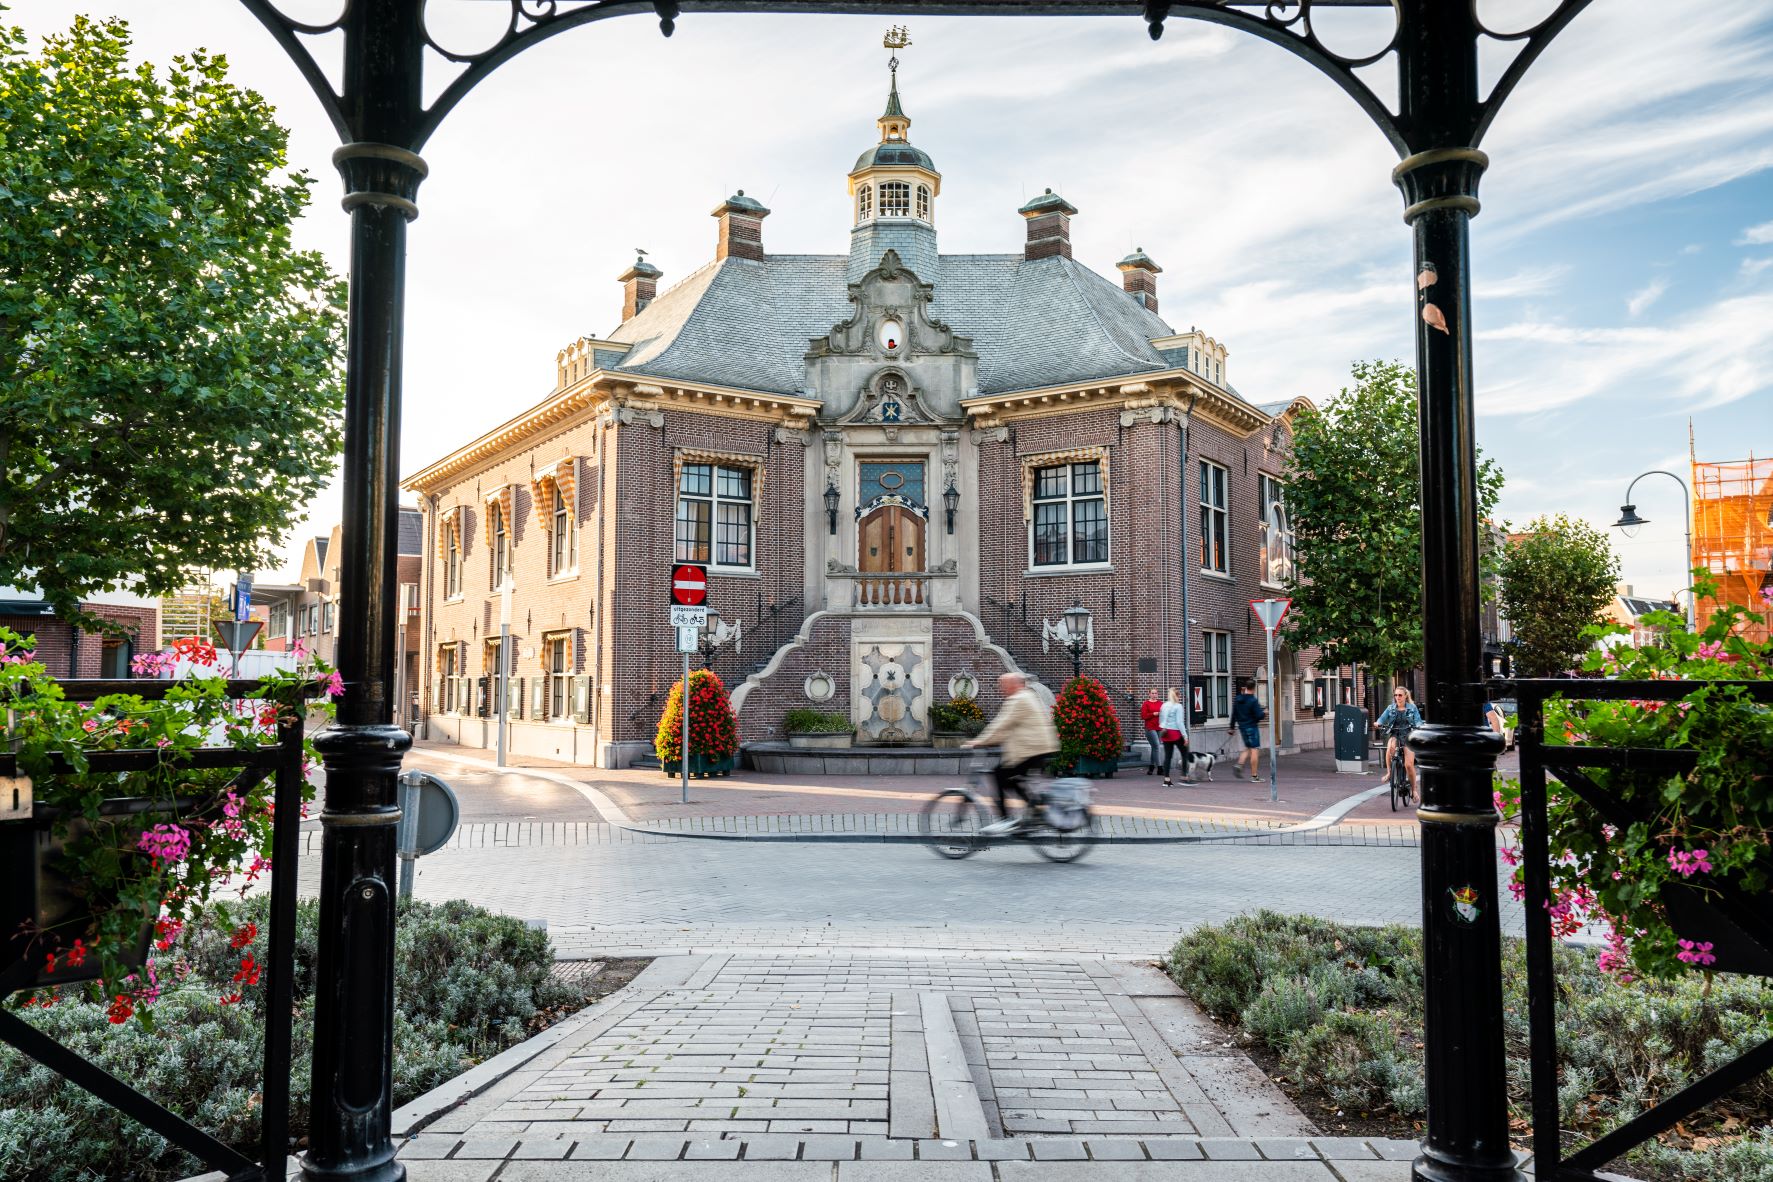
x: 895, y: 199
x: 923, y: 202
x: 500, y: 556
x: 563, y: 543
x: 715, y: 499
x: 449, y: 658
x: 1215, y: 542
x: 1270, y: 490
x: 864, y: 203
x: 452, y: 563
x: 1215, y: 647
x: 557, y: 666
x: 1070, y: 500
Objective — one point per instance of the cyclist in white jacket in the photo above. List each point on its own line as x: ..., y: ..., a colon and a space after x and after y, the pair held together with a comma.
x: 1024, y: 729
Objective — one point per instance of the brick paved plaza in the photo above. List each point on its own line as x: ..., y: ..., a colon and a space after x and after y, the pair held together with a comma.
x: 836, y: 1009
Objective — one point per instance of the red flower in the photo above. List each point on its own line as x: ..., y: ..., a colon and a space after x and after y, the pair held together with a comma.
x: 244, y: 935
x: 120, y: 1010
x: 249, y: 971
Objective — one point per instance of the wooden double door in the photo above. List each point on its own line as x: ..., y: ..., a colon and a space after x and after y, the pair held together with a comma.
x: 891, y: 544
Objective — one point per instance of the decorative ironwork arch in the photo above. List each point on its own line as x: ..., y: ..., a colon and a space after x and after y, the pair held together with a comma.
x: 1439, y: 121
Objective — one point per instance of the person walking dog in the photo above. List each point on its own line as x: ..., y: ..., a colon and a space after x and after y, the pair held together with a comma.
x: 1172, y: 724
x: 1247, y: 715
x: 1148, y: 712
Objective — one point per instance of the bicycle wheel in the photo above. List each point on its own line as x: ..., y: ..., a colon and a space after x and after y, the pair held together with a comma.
x: 950, y: 823
x: 1064, y: 845
x: 1400, y: 783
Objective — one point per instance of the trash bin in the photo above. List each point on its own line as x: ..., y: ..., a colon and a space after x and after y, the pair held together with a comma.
x: 1351, y: 739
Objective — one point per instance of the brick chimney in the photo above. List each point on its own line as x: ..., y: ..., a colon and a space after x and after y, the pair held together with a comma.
x: 639, y: 284
x: 1138, y: 276
x: 1049, y: 226
x: 741, y: 227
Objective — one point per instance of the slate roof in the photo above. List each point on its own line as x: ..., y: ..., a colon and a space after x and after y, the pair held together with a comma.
x: 1638, y: 606
x: 744, y: 323
x: 412, y: 533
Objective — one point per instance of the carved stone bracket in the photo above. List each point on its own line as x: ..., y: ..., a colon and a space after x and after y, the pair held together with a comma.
x: 990, y: 435
x: 791, y: 435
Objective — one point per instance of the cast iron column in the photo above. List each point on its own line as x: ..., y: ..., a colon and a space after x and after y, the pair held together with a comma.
x: 1467, y: 1138
x: 354, y: 1002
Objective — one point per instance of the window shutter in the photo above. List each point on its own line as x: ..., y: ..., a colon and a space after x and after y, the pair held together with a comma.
x: 437, y: 689
x: 581, y: 700
x: 515, y: 690
x: 463, y: 689
x: 480, y: 688
x: 538, y: 701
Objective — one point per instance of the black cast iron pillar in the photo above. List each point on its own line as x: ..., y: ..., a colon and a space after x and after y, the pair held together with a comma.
x: 354, y: 1001
x: 1467, y: 1137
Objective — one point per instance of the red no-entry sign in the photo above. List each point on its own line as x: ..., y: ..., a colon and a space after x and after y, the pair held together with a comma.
x: 689, y: 584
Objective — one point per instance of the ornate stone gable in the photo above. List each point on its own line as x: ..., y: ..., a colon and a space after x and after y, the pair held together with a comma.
x: 892, y: 357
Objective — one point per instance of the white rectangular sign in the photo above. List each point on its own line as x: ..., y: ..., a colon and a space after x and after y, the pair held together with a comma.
x: 686, y: 639
x: 689, y: 617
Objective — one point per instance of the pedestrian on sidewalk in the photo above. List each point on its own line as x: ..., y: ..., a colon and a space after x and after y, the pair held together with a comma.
x: 1148, y: 712
x: 1172, y: 724
x: 1247, y: 715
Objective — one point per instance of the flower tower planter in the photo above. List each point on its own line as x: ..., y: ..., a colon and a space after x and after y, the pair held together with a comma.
x: 1090, y: 739
x: 714, y: 731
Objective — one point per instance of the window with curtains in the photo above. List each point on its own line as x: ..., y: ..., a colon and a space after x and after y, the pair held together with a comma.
x: 501, y: 546
x: 1214, y: 518
x: 714, y: 515
x: 1216, y: 666
x: 1070, y: 526
x: 557, y: 660
x: 566, y: 542
x: 1275, y: 563
x: 452, y: 562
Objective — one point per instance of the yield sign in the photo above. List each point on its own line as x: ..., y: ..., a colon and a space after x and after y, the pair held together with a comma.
x: 1270, y: 611
x: 689, y: 584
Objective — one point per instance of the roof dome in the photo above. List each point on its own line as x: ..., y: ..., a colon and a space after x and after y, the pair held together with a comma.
x: 894, y: 153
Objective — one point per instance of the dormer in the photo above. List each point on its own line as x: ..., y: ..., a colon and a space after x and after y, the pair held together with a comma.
x: 1195, y: 352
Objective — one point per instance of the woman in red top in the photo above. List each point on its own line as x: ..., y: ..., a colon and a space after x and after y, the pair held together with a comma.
x: 1148, y: 711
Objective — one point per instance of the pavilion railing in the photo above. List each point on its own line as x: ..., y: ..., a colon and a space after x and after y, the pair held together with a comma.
x: 282, y: 760
x: 1570, y: 766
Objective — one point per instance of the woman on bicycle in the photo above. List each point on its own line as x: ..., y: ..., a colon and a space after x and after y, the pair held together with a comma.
x: 1399, y: 719
x: 1024, y: 729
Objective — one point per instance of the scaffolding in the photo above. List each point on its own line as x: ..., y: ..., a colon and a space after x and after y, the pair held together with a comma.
x: 1733, y: 534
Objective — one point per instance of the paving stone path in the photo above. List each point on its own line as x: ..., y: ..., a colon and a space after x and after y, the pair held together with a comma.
x: 853, y: 1066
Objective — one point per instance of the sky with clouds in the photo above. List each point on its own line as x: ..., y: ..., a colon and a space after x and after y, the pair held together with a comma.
x: 1623, y: 258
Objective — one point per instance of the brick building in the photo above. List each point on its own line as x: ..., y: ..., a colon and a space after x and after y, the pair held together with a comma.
x: 67, y: 651
x: 895, y: 462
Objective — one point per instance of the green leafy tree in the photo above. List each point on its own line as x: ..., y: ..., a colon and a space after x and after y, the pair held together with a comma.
x: 169, y: 380
x: 1354, y: 489
x: 1557, y: 579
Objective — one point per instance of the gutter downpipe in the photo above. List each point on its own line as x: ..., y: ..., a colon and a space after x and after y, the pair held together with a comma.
x: 1182, y: 538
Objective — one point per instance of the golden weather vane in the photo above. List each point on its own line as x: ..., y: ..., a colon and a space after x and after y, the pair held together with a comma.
x: 897, y: 38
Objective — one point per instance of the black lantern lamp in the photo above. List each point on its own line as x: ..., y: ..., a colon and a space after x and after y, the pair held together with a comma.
x: 1629, y: 521
x: 951, y: 502
x: 832, y: 497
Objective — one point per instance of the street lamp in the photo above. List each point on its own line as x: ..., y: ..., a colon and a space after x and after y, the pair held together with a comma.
x: 951, y: 502
x: 1074, y: 632
x: 1629, y: 523
x: 715, y: 633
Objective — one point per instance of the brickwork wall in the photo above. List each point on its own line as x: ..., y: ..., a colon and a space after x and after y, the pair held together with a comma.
x: 828, y: 650
x: 66, y: 652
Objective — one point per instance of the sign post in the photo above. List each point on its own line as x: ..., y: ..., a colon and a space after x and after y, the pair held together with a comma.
x: 501, y: 677
x: 689, y: 612
x: 1271, y: 612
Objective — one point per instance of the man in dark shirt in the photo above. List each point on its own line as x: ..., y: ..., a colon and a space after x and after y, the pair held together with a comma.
x: 1247, y: 715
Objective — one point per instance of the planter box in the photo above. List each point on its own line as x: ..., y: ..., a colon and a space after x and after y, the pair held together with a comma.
x: 1694, y: 918
x: 1095, y: 769
x: 39, y: 896
x: 825, y: 741
x: 702, y: 766
x: 949, y: 740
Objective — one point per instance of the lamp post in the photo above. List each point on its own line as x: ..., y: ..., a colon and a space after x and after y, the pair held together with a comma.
x: 717, y: 632
x: 1629, y: 523
x: 1075, y: 633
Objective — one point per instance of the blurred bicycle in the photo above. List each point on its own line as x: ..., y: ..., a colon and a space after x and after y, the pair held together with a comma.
x: 1057, y: 823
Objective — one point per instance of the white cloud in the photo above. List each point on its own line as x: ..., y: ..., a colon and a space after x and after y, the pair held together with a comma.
x: 1753, y: 267
x: 1759, y: 235
x: 1645, y: 296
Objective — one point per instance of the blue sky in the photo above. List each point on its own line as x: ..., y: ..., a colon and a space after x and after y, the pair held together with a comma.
x: 1623, y: 259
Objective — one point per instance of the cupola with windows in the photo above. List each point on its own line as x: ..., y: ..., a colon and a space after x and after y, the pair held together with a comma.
x: 893, y: 190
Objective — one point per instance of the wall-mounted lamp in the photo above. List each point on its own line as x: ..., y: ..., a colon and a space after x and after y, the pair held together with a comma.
x: 951, y: 502
x: 832, y: 497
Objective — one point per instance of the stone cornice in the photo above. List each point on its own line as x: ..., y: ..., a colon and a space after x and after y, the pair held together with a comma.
x: 1179, y: 389
x: 597, y: 390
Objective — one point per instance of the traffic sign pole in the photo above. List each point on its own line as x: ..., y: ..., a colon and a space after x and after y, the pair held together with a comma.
x: 683, y: 756
x: 1271, y: 612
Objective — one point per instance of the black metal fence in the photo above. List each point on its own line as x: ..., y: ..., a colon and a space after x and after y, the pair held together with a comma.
x: 1570, y: 767
x: 283, y: 760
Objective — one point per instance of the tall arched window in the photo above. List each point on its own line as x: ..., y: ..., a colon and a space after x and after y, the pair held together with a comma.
x: 864, y: 203
x: 923, y: 202
x: 895, y: 199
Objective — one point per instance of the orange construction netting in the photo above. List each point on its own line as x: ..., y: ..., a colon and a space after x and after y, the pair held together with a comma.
x: 1733, y: 533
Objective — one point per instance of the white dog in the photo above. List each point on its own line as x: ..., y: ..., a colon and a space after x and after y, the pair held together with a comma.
x: 1199, y: 765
